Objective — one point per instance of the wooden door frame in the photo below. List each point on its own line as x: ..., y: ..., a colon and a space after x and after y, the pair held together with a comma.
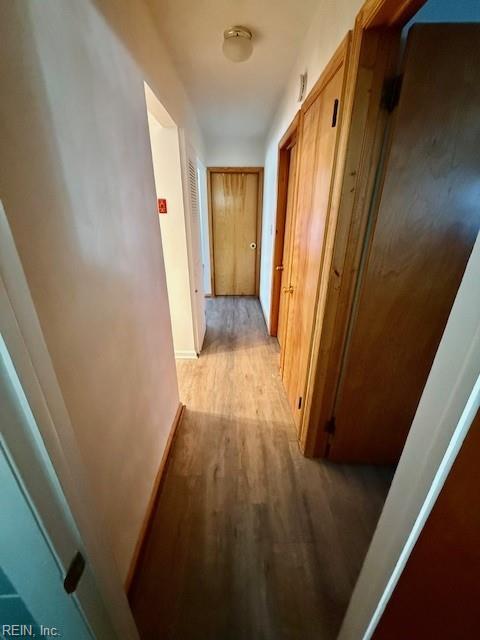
x: 373, y: 59
x: 283, y: 179
x: 258, y: 240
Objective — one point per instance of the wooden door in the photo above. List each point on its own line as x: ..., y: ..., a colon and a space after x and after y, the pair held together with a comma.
x: 234, y: 202
x: 318, y: 137
x: 437, y: 593
x: 287, y: 248
x: 427, y: 222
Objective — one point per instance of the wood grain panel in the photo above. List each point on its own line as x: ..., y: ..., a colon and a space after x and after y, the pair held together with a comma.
x: 437, y: 593
x: 315, y: 169
x: 427, y: 222
x: 235, y: 197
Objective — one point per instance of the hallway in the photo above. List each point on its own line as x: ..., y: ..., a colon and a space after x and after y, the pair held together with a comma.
x: 249, y: 538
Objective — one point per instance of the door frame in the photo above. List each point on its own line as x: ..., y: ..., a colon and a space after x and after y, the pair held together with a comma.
x: 283, y: 179
x: 211, y: 238
x: 373, y: 59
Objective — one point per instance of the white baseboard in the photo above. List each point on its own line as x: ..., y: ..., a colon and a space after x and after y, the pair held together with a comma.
x: 186, y: 355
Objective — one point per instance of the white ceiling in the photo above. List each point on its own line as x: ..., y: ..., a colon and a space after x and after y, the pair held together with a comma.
x: 233, y: 99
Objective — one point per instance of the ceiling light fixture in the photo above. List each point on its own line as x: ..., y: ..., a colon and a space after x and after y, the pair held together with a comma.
x: 237, y: 44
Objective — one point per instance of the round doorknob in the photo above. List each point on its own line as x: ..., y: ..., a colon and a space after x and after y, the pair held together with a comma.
x: 253, y: 245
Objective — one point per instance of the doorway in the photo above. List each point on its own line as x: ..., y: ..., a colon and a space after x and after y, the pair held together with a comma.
x: 303, y: 213
x: 176, y: 169
x: 381, y: 248
x: 235, y: 196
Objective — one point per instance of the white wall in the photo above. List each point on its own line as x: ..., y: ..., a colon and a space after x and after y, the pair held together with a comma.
x: 329, y: 26
x: 168, y: 182
x: 235, y: 152
x: 78, y: 189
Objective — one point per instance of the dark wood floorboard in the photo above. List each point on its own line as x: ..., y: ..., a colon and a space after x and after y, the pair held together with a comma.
x: 250, y: 540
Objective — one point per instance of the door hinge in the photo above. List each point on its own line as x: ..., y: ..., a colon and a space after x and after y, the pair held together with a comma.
x: 391, y: 92
x: 335, y: 113
x: 300, y: 400
x: 330, y: 425
x: 74, y: 573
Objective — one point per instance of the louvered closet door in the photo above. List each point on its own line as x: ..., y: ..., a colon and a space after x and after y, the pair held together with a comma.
x: 315, y: 167
x: 196, y: 251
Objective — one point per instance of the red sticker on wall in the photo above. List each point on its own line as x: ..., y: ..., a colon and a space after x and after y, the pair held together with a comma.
x: 162, y: 205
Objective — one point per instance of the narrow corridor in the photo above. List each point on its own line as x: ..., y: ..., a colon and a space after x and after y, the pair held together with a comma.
x: 250, y: 539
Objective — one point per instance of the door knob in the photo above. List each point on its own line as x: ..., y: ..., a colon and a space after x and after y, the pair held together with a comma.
x: 288, y: 289
x: 253, y: 245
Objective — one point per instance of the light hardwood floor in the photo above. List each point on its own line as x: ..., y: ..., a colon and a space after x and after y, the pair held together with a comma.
x: 250, y: 540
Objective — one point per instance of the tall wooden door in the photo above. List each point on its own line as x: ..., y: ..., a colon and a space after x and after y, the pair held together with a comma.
x: 234, y: 204
x: 287, y: 248
x: 428, y: 219
x: 318, y: 138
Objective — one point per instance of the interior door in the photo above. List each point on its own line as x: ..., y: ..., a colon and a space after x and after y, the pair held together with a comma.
x: 234, y: 196
x: 287, y: 248
x: 319, y: 131
x: 428, y: 219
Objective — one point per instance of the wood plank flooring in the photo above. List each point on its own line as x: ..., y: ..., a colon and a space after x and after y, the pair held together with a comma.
x: 250, y: 540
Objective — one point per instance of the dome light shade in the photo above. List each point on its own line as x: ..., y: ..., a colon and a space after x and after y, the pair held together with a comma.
x: 237, y: 44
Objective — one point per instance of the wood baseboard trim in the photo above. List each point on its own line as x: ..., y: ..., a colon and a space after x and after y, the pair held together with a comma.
x: 152, y: 502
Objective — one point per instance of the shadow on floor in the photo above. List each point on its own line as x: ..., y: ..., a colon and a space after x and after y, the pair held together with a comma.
x: 252, y: 540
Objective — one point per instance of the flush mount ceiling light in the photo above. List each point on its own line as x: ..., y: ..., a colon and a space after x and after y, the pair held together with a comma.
x: 237, y: 44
